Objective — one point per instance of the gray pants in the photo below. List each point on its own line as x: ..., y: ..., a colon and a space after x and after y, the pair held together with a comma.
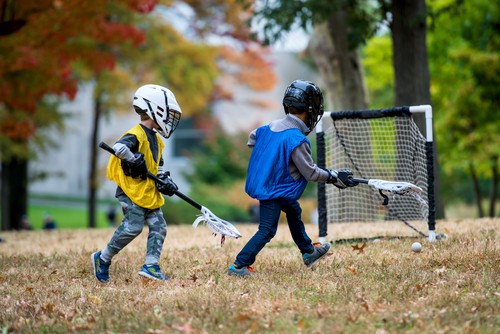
x: 131, y: 226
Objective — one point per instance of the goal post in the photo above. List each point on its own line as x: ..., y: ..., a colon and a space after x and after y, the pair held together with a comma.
x: 381, y: 144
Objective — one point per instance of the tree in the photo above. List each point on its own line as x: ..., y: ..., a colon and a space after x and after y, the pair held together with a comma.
x: 465, y: 66
x: 39, y: 43
x: 334, y: 47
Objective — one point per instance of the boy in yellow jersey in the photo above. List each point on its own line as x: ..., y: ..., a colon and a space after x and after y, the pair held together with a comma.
x: 138, y: 151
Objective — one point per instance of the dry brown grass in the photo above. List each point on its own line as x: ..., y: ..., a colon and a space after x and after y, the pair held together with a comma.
x: 47, y: 284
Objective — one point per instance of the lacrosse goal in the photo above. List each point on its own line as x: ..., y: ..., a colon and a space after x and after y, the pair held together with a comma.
x: 376, y: 144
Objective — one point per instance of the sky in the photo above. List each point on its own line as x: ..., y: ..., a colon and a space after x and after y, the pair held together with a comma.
x: 180, y: 14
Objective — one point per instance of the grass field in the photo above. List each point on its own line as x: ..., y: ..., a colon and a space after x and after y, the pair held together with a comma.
x: 65, y: 217
x: 47, y: 284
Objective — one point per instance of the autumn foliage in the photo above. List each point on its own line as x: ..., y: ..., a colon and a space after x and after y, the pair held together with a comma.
x: 41, y: 40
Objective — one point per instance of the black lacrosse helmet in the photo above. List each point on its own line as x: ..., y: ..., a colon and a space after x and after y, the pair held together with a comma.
x: 305, y: 95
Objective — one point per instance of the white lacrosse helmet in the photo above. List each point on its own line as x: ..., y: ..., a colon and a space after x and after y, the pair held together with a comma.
x: 160, y: 105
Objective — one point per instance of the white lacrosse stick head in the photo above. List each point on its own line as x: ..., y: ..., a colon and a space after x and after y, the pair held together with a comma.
x: 216, y: 225
x: 399, y: 188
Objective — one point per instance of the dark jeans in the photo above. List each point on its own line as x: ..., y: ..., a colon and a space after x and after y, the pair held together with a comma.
x: 269, y: 217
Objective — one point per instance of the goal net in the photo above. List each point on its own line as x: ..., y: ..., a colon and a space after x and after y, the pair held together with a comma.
x: 383, y: 144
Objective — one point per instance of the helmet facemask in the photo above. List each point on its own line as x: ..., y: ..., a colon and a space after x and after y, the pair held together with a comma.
x: 168, y: 125
x: 160, y: 105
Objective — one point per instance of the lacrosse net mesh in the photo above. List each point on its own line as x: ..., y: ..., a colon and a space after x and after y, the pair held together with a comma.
x: 386, y: 148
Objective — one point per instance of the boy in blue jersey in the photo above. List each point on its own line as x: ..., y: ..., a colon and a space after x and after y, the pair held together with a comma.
x: 280, y: 166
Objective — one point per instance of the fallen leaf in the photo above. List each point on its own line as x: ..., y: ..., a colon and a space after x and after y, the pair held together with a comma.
x: 353, y: 318
x: 352, y: 270
x: 95, y: 300
x: 360, y: 249
x: 243, y: 317
x: 49, y: 307
x: 254, y: 326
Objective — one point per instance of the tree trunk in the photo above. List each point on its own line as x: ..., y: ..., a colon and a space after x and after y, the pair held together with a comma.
x: 93, y: 160
x: 340, y: 68
x: 411, y: 69
x: 494, y: 183
x: 477, y: 191
x: 14, y: 199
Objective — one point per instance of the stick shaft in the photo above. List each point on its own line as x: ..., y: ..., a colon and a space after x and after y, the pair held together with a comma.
x: 360, y: 180
x: 153, y: 177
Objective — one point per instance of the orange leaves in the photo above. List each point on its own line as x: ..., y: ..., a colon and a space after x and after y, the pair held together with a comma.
x: 37, y: 59
x: 250, y: 66
x: 353, y: 270
x: 359, y: 249
x: 17, y: 129
x: 142, y: 6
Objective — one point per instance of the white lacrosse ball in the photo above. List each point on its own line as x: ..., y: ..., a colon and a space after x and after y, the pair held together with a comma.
x: 416, y: 247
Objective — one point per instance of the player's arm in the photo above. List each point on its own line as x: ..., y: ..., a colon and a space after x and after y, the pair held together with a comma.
x: 133, y: 163
x: 167, y: 186
x: 302, y: 159
x: 252, y: 138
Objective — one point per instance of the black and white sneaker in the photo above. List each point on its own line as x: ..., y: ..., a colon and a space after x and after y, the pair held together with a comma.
x: 319, y: 252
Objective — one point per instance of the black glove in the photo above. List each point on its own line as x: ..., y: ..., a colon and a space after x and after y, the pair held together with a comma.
x: 136, y: 168
x: 341, y: 178
x: 167, y: 186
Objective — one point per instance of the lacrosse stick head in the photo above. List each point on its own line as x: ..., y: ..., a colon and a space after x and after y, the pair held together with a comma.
x: 217, y: 225
x: 399, y: 188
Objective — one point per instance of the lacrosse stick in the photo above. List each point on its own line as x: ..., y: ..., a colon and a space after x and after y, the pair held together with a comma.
x: 402, y: 188
x: 214, y: 223
x: 396, y: 188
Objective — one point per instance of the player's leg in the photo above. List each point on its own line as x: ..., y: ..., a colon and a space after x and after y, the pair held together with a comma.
x: 156, y: 237
x: 310, y: 254
x: 268, y: 225
x: 293, y: 213
x: 130, y: 227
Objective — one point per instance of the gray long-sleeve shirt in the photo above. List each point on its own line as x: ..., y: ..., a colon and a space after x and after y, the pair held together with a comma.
x: 301, y: 162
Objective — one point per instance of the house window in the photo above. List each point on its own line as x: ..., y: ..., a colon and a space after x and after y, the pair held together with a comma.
x: 187, y: 139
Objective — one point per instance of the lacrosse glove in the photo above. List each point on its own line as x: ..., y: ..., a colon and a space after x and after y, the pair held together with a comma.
x: 341, y: 178
x: 135, y: 168
x: 167, y: 186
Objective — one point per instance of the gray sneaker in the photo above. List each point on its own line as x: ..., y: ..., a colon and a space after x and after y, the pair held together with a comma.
x: 319, y: 252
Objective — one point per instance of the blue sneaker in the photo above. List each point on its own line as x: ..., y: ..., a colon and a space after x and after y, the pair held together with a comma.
x: 319, y: 251
x: 101, y: 268
x: 245, y: 271
x: 153, y: 271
